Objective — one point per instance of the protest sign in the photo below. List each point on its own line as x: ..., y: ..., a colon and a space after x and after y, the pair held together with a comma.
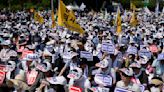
x: 144, y: 52
x: 121, y: 90
x: 75, y: 89
x: 31, y: 77
x: 108, y: 47
x: 2, y: 76
x: 105, y: 80
x: 3, y: 68
x: 87, y: 55
x: 132, y: 50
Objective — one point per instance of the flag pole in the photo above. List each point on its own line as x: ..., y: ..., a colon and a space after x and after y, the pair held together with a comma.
x: 52, y: 5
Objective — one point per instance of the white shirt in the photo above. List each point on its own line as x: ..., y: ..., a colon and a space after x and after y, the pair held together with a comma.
x: 83, y: 83
x: 131, y: 86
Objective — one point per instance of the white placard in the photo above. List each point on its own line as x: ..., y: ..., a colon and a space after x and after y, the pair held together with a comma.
x: 142, y: 87
x: 132, y: 50
x: 121, y: 90
x: 32, y: 56
x: 87, y: 55
x: 144, y: 52
x: 105, y: 80
x: 66, y: 55
x: 108, y: 47
x: 100, y: 89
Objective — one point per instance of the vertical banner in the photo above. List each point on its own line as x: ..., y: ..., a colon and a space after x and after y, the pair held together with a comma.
x: 118, y: 21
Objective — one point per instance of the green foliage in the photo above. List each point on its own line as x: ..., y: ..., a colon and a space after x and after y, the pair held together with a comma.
x: 1, y: 6
x: 125, y: 3
x: 16, y: 7
x: 29, y: 5
x: 68, y: 1
x: 46, y: 4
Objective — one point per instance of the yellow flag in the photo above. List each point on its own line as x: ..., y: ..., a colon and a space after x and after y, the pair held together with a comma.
x: 67, y: 19
x: 53, y: 19
x: 118, y: 21
x: 133, y: 20
x: 38, y: 18
x: 132, y: 6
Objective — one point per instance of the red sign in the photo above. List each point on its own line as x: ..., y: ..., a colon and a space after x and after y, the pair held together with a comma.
x: 2, y: 77
x: 40, y: 67
x: 24, y: 53
x: 31, y: 77
x: 75, y: 89
x: 2, y: 67
x: 20, y: 49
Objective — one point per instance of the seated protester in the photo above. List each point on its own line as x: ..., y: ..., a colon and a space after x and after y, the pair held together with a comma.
x: 29, y: 66
x: 125, y: 82
x: 18, y: 83
x: 84, y: 66
x: 97, y: 51
x: 156, y: 85
x: 6, y: 52
x: 146, y: 68
x: 77, y: 79
x: 103, y: 68
x: 71, y: 61
x: 146, y: 64
x: 140, y: 77
x: 44, y: 67
x: 116, y: 59
x: 128, y: 60
x: 158, y: 64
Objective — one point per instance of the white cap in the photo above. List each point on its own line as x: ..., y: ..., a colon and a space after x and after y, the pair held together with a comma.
x: 69, y: 55
x: 103, y: 64
x: 57, y: 80
x: 137, y: 65
x: 144, y: 60
x: 47, y: 53
x: 50, y: 42
x: 76, y: 73
x: 127, y: 71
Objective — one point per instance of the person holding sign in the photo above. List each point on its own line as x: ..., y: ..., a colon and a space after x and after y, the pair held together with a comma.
x: 78, y: 79
x: 84, y: 66
x: 158, y: 65
x: 156, y: 84
x: 103, y: 68
x: 140, y: 77
x: 125, y: 82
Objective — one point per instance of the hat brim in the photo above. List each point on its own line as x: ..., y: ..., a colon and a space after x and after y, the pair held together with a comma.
x: 156, y: 82
x: 100, y: 66
x: 123, y: 72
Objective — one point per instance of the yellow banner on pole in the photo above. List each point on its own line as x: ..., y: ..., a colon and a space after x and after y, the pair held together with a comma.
x: 38, y: 18
x: 118, y: 22
x: 66, y: 18
x: 53, y: 19
x: 132, y: 6
x: 133, y: 20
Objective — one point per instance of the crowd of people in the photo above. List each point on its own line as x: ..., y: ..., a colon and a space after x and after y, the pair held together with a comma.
x: 37, y: 58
